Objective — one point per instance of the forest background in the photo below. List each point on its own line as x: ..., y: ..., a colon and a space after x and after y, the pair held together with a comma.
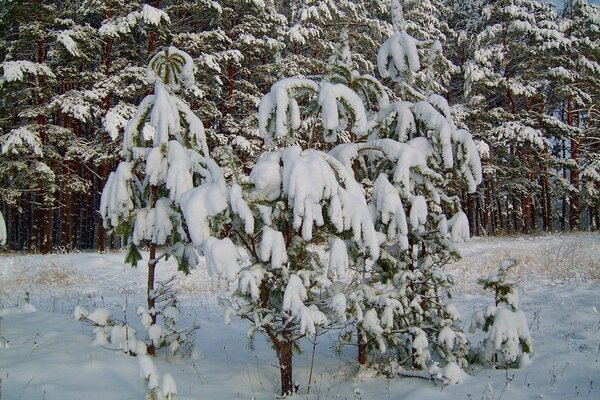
x: 521, y: 76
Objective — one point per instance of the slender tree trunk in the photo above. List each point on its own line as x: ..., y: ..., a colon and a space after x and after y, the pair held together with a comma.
x: 45, y: 209
x: 152, y: 269
x: 574, y: 172
x: 283, y: 344
x: 285, y: 357
x: 152, y: 34
x: 545, y: 200
x: 565, y: 199
x: 103, y: 169
x: 362, y: 347
x: 471, y: 212
x: 230, y: 85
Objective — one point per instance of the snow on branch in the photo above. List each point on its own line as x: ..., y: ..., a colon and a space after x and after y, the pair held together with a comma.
x: 201, y: 203
x: 222, y: 258
x: 397, y: 56
x: 21, y: 139
x: 426, y: 113
x: 278, y: 111
x: 272, y: 247
x: 388, y: 207
x: 116, y: 202
x: 16, y: 71
x: 339, y: 100
x: 117, y: 26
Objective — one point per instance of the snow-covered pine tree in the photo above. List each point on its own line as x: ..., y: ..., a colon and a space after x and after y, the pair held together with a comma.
x: 43, y: 110
x: 577, y: 84
x: 412, y: 153
x: 293, y: 202
x: 515, y: 49
x: 509, y: 342
x: 166, y: 154
x: 128, y: 31
x: 314, y: 28
x: 266, y: 234
x: 255, y: 34
x: 426, y: 21
x: 277, y: 216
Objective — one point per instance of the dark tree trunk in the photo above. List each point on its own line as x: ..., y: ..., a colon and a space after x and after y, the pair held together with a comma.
x: 362, y: 347
x: 285, y: 358
x: 545, y: 201
x: 574, y: 172
x: 152, y: 269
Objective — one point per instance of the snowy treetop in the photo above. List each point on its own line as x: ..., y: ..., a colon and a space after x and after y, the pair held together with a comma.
x: 171, y: 67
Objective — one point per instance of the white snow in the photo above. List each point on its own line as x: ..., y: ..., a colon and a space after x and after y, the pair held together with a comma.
x: 148, y: 371
x: 172, y: 63
x: 371, y: 322
x: 294, y: 295
x: 241, y: 208
x: 418, y: 213
x: 155, y: 334
x: 100, y: 317
x: 397, y: 56
x: 506, y: 334
x: 338, y: 99
x: 222, y: 258
x: 278, y: 111
x: 459, y: 227
x: 46, y: 348
x: 153, y: 16
x: 338, y: 256
x: 386, y: 203
x: 179, y: 176
x: 201, y: 203
x: 169, y: 387
x: 64, y: 37
x: 15, y: 71
x: 20, y: 139
x: 272, y: 247
x: 116, y: 202
x: 266, y: 177
x: 154, y: 224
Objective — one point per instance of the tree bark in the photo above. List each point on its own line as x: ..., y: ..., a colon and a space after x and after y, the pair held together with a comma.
x: 285, y: 358
x: 362, y: 347
x: 152, y: 270
x: 574, y: 172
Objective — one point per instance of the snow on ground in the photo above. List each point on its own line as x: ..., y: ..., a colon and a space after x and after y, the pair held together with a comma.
x: 46, y: 354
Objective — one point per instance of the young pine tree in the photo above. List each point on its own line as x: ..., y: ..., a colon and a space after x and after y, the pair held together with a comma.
x: 165, y: 153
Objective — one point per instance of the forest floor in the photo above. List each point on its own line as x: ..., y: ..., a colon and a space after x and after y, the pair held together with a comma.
x: 45, y: 354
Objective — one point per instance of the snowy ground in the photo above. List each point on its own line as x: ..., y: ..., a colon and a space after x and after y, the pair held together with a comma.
x: 46, y: 354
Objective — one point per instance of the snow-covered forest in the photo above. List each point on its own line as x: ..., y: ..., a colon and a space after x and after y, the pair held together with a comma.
x: 521, y: 76
x: 322, y: 163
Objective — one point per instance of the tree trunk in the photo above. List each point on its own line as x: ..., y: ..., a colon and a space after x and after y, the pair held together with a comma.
x: 46, y: 209
x: 563, y: 220
x: 574, y: 172
x: 285, y: 358
x: 230, y: 85
x: 103, y: 170
x: 545, y: 201
x: 362, y: 347
x: 152, y: 34
x: 152, y: 269
x: 46, y: 231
